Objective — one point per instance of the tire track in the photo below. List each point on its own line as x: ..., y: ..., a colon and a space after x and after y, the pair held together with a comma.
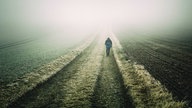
x: 109, y: 90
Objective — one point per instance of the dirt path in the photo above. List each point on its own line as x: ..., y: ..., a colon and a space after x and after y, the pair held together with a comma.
x: 109, y: 90
x: 92, y: 80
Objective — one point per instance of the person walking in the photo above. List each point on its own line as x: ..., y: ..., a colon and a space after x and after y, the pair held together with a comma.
x: 108, y: 44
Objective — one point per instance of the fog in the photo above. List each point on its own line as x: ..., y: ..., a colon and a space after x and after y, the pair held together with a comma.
x: 79, y: 18
x: 36, y: 32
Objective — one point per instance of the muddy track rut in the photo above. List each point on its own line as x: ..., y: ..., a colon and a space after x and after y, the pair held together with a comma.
x: 91, y: 80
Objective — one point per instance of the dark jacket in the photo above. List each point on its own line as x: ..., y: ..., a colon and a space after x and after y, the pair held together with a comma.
x: 108, y: 43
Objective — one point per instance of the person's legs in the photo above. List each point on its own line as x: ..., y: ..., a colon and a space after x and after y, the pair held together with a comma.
x: 107, y: 51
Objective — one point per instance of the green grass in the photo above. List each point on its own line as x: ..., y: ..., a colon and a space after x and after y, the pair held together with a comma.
x: 31, y: 80
x: 21, y: 59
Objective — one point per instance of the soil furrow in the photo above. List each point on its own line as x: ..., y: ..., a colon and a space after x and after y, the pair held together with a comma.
x: 159, y: 64
x: 146, y: 92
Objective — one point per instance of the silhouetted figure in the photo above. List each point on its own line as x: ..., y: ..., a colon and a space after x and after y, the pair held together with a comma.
x: 108, y: 44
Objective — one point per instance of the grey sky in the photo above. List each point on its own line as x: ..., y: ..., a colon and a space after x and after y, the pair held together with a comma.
x: 90, y: 13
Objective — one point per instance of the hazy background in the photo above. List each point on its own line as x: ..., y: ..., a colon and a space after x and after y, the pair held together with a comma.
x: 81, y: 16
x: 34, y: 32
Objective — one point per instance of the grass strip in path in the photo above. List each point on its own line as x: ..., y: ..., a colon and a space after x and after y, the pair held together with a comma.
x: 80, y: 87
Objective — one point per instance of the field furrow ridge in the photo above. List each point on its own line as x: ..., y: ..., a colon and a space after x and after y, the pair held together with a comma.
x: 146, y: 92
